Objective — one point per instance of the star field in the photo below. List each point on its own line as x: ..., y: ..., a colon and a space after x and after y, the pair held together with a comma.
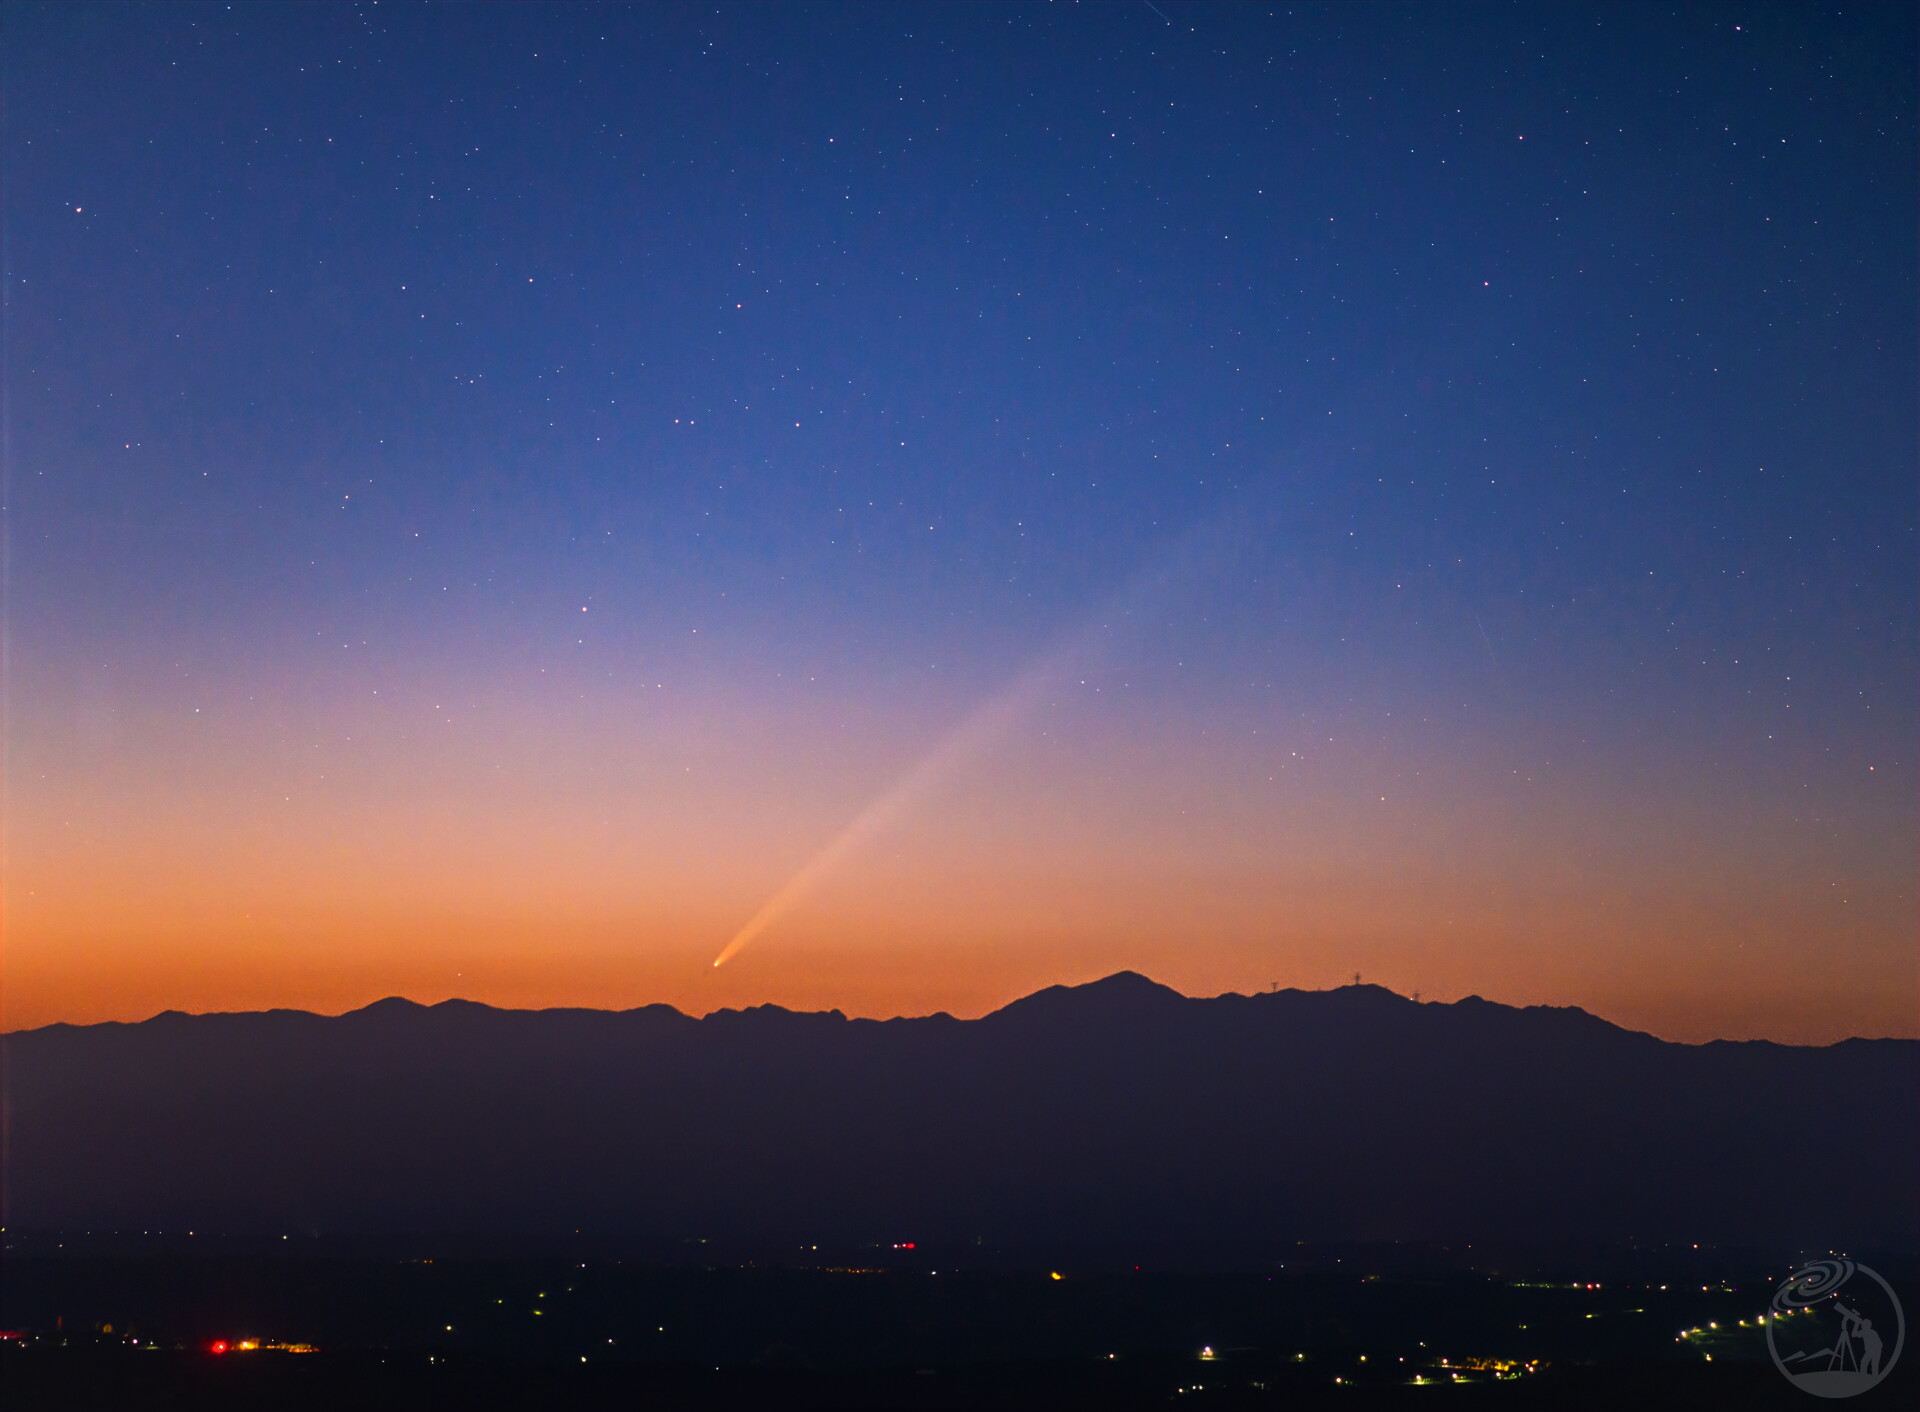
x: 494, y: 495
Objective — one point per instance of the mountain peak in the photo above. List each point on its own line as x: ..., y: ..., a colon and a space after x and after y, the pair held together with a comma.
x: 1122, y: 993
x: 389, y: 1005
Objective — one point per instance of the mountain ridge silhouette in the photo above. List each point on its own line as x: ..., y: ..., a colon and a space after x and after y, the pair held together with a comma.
x: 1116, y: 1110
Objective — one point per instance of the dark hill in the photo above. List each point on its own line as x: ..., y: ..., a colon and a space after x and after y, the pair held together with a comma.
x: 1119, y: 1110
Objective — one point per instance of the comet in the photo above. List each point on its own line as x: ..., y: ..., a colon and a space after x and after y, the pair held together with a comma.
x: 982, y: 729
x: 1208, y: 542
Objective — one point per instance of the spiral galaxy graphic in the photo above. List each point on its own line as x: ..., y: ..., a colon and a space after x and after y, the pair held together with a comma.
x: 1810, y: 1285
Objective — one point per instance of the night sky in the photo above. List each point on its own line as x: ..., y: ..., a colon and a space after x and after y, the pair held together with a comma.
x: 935, y: 502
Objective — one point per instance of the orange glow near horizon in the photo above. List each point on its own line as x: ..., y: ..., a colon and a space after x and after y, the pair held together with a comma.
x: 496, y: 863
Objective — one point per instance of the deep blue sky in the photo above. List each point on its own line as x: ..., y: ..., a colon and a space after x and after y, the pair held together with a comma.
x: 1552, y: 367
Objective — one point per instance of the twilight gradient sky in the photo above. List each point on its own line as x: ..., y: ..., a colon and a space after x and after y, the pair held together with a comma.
x: 496, y: 495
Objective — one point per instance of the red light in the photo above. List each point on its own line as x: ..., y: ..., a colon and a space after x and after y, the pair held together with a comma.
x: 909, y: 1245
x: 218, y: 1347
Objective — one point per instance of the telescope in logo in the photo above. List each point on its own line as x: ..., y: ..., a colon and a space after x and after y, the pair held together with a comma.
x: 1846, y: 1359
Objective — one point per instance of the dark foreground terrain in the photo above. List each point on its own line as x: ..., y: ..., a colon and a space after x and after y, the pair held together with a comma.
x: 118, y: 1325
x: 1106, y: 1196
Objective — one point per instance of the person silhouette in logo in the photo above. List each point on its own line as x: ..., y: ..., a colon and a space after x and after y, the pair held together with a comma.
x: 1868, y: 1359
x: 1855, y: 1325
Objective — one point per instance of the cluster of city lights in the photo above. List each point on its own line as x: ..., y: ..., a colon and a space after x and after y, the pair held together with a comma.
x: 1759, y: 1322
